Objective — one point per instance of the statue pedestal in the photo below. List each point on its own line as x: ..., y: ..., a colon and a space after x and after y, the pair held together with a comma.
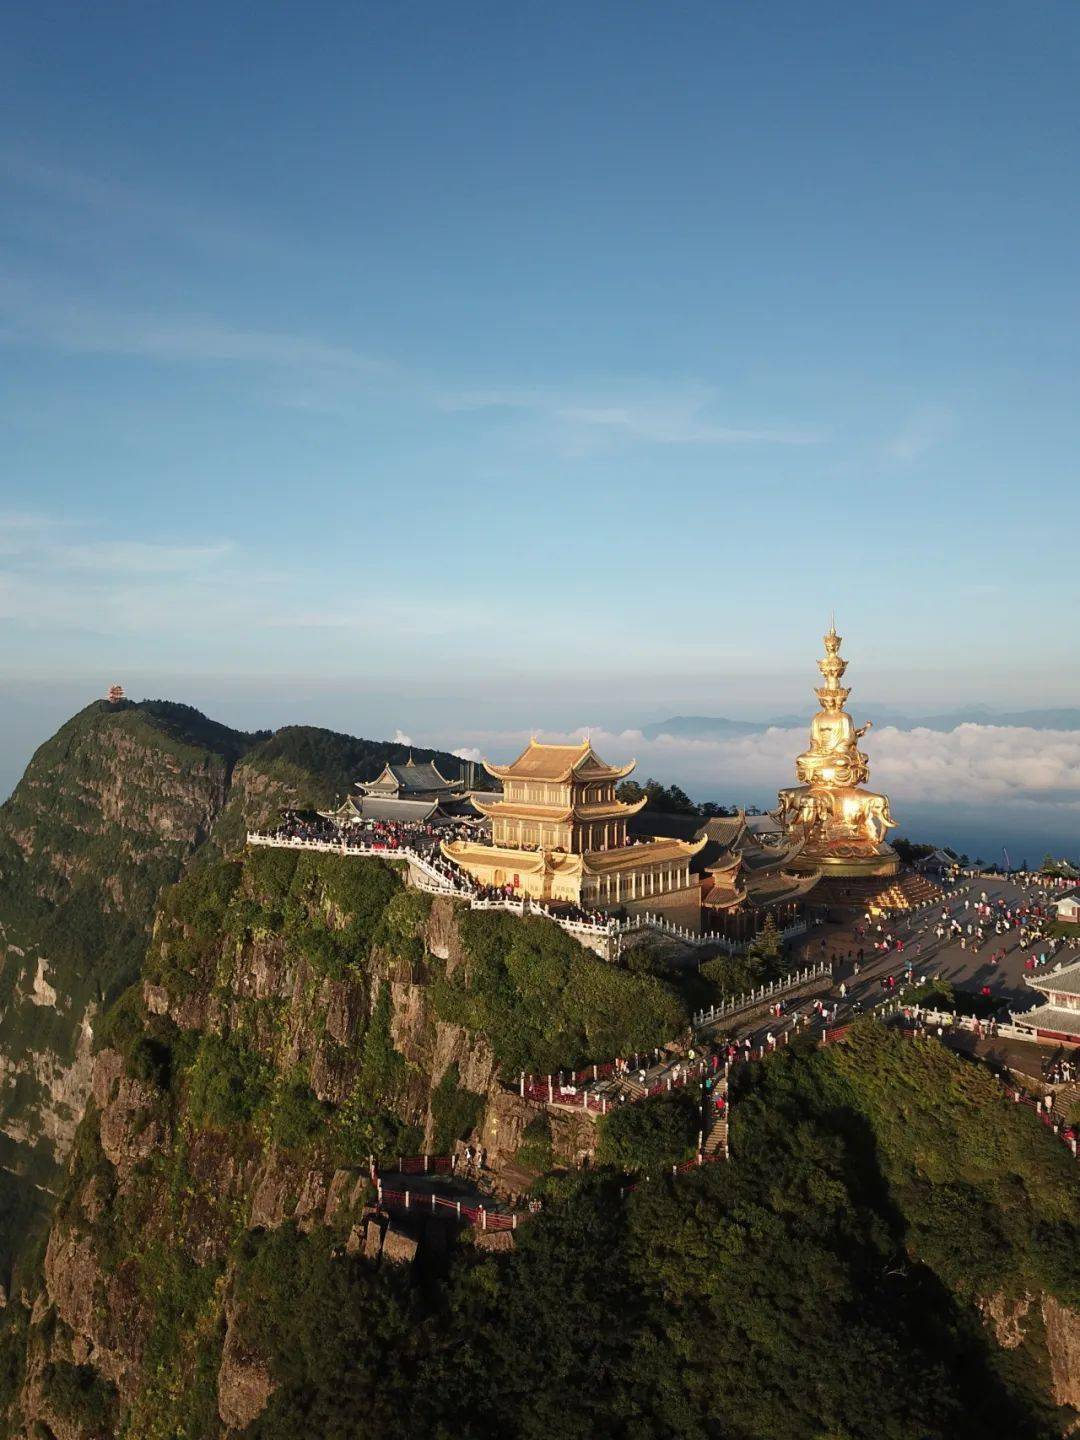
x: 847, y: 858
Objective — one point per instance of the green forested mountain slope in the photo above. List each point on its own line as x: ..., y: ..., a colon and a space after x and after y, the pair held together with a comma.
x: 105, y: 816
x: 109, y: 811
x: 304, y: 766
x: 890, y: 1252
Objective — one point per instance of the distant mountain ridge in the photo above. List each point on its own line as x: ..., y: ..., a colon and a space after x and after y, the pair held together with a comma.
x: 718, y: 727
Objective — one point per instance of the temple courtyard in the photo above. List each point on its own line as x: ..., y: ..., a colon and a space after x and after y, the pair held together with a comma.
x: 967, y: 969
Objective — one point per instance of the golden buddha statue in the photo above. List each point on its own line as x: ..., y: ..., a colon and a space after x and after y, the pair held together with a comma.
x: 842, y: 826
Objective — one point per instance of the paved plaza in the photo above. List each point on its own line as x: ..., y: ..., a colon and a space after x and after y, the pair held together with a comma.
x: 969, y: 969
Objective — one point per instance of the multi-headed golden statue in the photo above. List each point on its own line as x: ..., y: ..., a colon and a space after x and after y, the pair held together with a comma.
x: 842, y: 826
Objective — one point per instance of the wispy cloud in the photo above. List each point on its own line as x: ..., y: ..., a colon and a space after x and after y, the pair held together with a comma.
x: 21, y: 529
x: 137, y: 557
x: 42, y: 319
x: 920, y: 433
x: 111, y: 203
x: 53, y: 581
x: 661, y: 414
x: 307, y: 371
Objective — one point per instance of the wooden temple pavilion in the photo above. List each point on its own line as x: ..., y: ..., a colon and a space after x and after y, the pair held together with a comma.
x: 744, y: 864
x: 747, y: 868
x: 409, y: 790
x: 1058, y: 1017
x: 559, y: 833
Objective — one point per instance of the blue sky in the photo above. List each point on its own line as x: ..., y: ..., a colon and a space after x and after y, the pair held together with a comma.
x: 505, y: 366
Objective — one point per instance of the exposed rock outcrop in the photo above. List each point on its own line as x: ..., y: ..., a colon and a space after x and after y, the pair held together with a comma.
x: 244, y: 1380
x: 1063, y: 1349
x: 1006, y: 1317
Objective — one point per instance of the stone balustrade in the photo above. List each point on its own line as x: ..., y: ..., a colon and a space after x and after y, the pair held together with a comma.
x: 435, y: 879
x: 773, y: 991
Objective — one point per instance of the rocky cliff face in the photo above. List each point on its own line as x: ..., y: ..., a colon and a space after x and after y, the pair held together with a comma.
x: 286, y: 1027
x: 109, y: 812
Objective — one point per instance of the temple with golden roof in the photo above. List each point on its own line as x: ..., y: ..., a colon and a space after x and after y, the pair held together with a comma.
x: 839, y: 824
x: 751, y: 868
x: 559, y: 833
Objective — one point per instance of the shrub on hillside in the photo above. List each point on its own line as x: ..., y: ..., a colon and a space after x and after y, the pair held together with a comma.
x: 545, y: 1002
x: 649, y: 1137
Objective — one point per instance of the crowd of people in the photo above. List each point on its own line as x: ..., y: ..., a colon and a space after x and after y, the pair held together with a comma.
x: 1061, y: 1069
x: 425, y: 840
x: 972, y: 928
x: 416, y: 835
x: 972, y: 924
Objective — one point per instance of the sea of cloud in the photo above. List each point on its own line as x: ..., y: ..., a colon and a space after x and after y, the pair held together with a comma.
x: 973, y: 765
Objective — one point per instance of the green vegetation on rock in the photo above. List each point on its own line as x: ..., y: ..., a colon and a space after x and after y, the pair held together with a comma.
x: 454, y: 1110
x: 649, y: 1137
x: 544, y: 1002
x: 207, y: 1270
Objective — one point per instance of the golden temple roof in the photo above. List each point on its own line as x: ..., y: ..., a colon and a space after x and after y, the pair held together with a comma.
x: 773, y: 888
x: 621, y: 857
x: 465, y: 852
x: 645, y: 852
x: 558, y: 814
x: 512, y: 809
x: 557, y: 763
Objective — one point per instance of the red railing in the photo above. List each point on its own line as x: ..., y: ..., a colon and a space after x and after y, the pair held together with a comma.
x: 421, y: 1165
x: 421, y: 1202
x: 684, y: 1169
x: 566, y: 1089
x: 830, y: 1037
x: 1065, y: 1133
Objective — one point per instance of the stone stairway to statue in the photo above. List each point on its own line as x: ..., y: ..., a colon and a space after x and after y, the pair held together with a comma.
x: 715, y: 1140
x: 1067, y: 1101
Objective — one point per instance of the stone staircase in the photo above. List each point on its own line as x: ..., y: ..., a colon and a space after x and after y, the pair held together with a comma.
x: 715, y: 1141
x: 1067, y: 1101
x: 878, y: 897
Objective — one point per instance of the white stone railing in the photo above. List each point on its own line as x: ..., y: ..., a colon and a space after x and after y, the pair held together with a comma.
x: 713, y: 939
x: 330, y: 847
x: 515, y: 907
x: 772, y: 991
x: 435, y: 880
x: 1003, y: 1029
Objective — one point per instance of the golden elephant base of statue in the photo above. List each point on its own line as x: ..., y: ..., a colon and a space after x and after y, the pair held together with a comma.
x: 848, y: 859
x: 840, y: 829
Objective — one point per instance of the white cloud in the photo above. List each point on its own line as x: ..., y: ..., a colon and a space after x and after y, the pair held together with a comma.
x: 112, y: 205
x: 136, y: 557
x: 639, y: 410
x: 44, y: 319
x: 468, y: 752
x: 922, y: 431
x: 973, y: 764
x: 400, y: 738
